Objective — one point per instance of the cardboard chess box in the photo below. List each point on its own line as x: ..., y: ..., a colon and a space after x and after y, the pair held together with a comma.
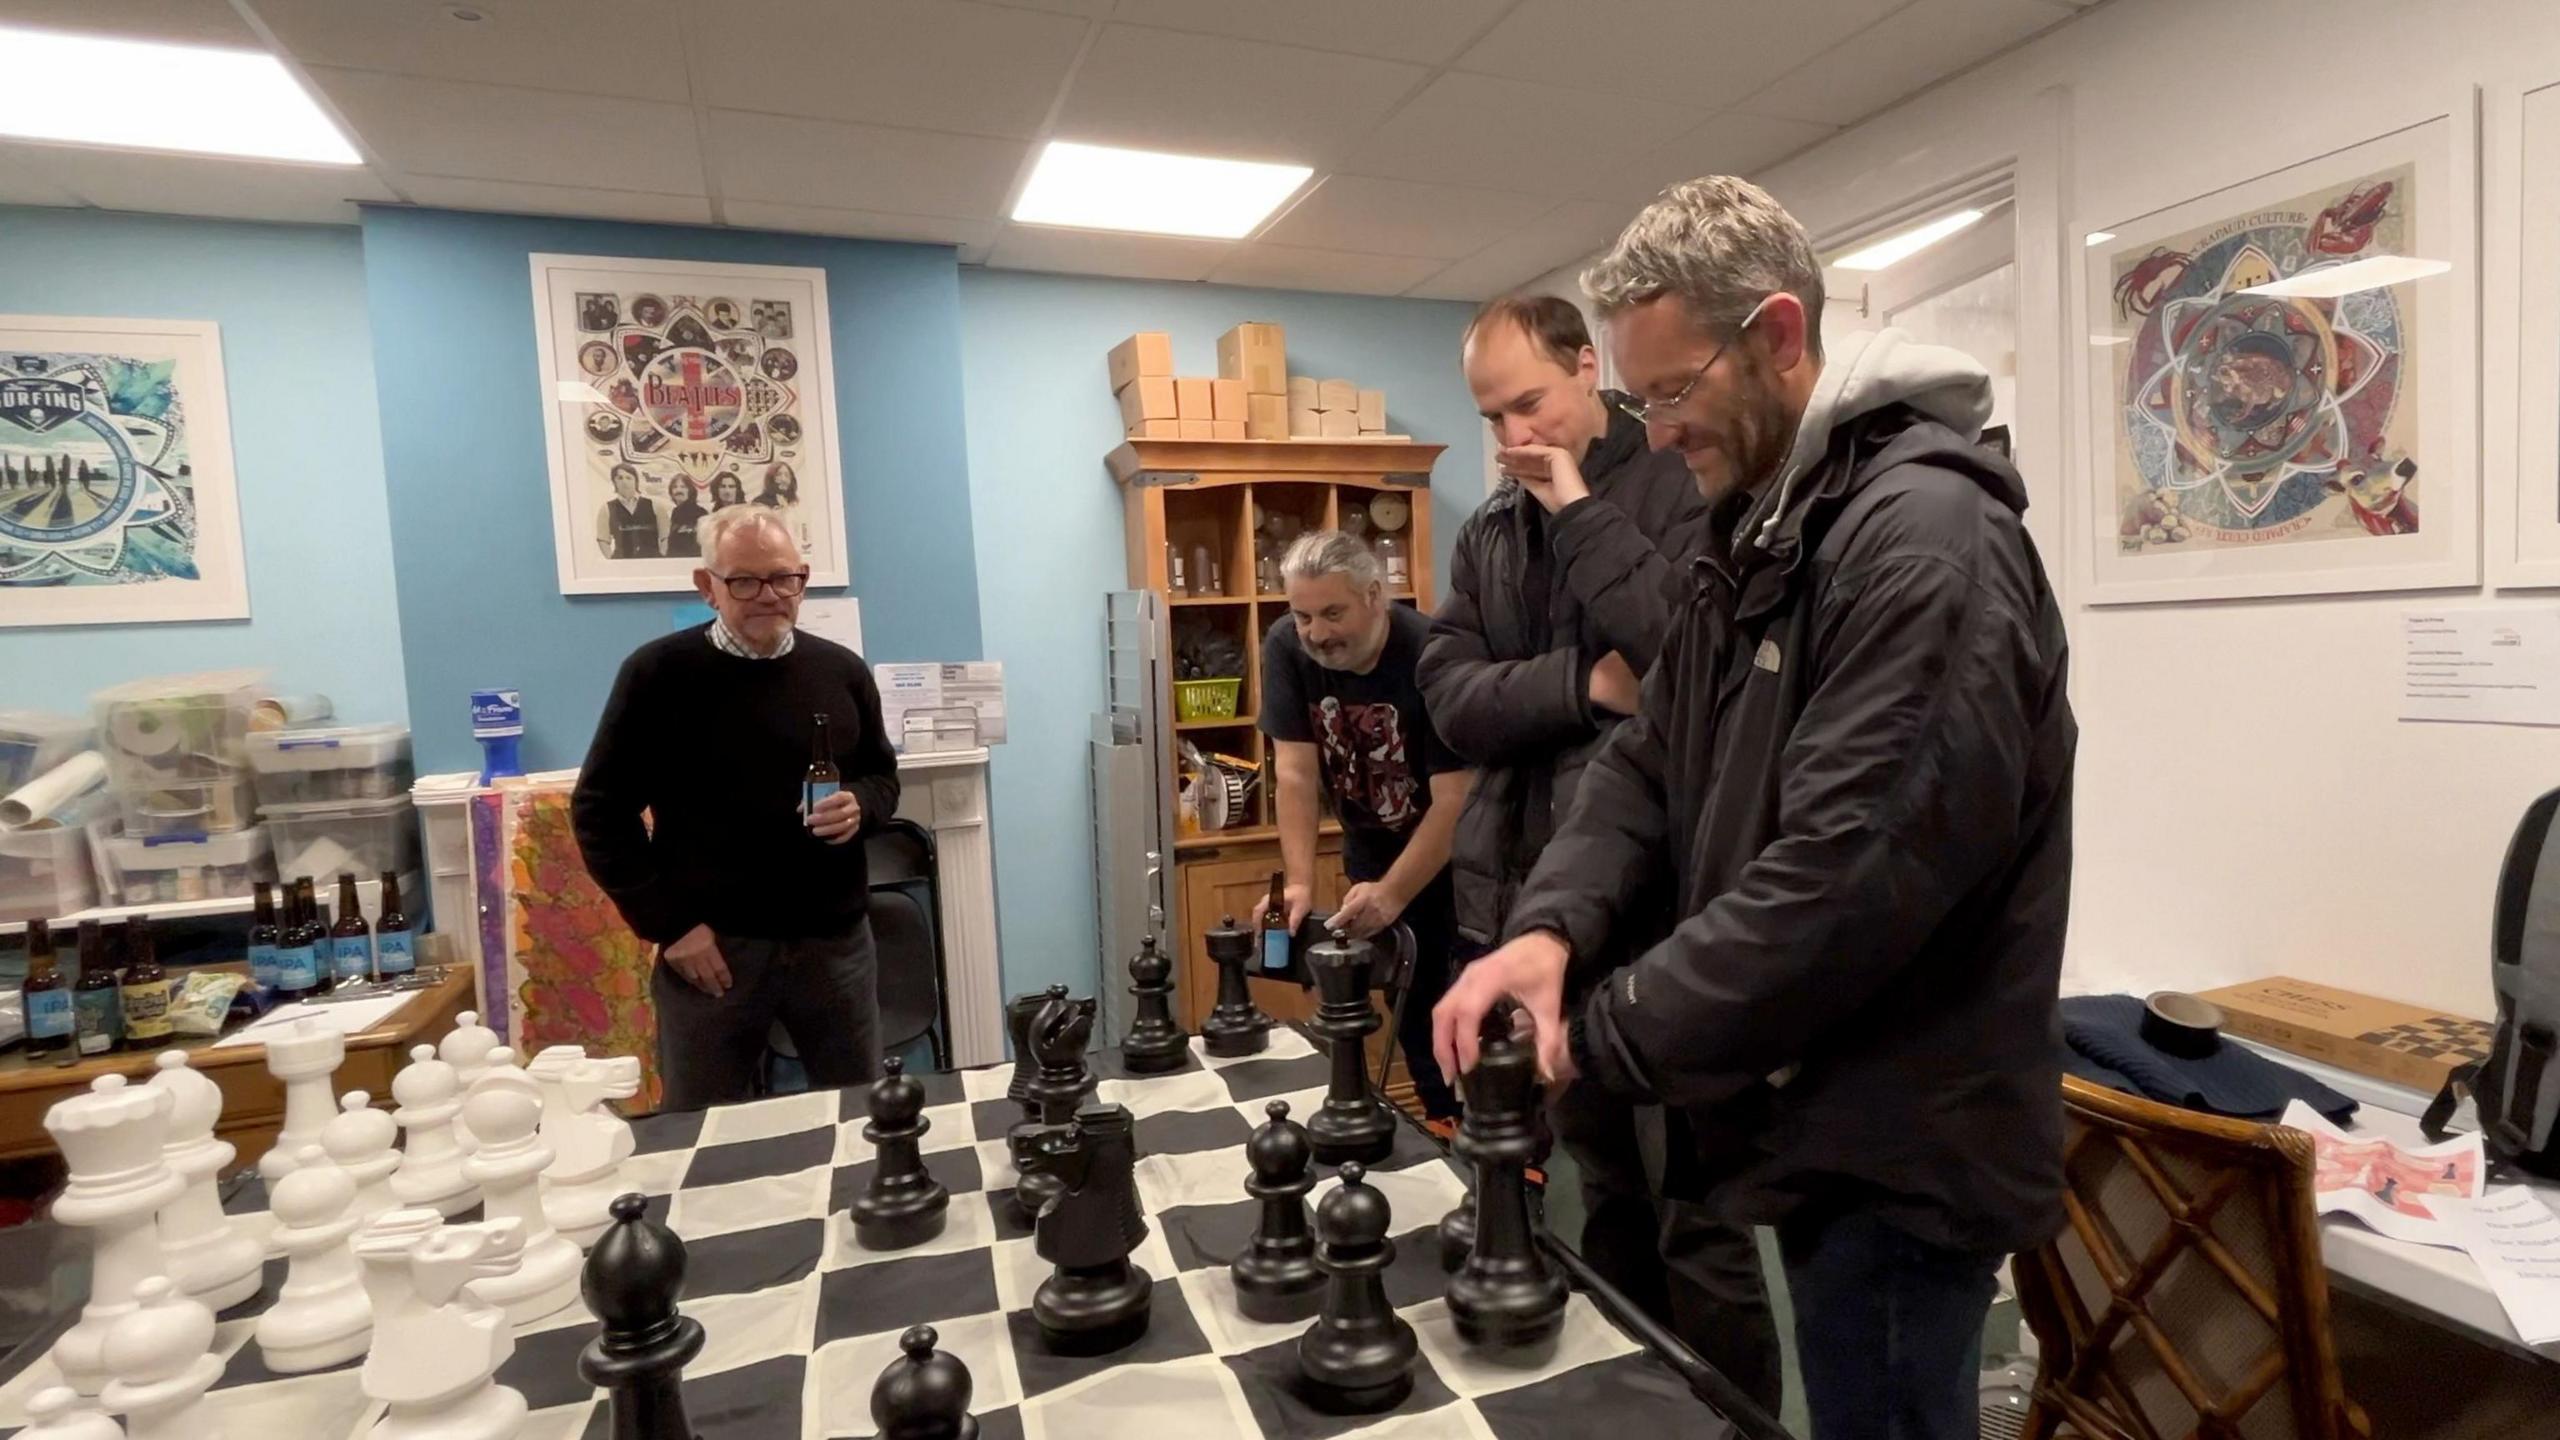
x: 2386, y: 1039
x: 1267, y: 417
x: 1257, y: 354
x: 1149, y: 397
x: 1149, y: 352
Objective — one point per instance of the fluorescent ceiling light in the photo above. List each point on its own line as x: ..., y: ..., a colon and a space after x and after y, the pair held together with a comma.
x: 2331, y: 281
x: 143, y: 95
x: 2099, y: 237
x: 1097, y: 187
x: 1894, y: 249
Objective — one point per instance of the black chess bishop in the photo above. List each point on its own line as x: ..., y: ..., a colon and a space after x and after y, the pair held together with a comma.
x: 1059, y: 1084
x: 903, y: 1205
x: 1353, y: 1123
x: 1506, y: 1295
x: 1154, y: 1044
x: 1358, y: 1356
x: 630, y: 1284
x: 1236, y: 1026
x: 1276, y: 1277
x: 1094, y: 1301
x: 924, y: 1393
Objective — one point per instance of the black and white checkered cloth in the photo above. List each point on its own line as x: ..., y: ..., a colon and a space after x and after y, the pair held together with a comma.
x: 801, y: 1320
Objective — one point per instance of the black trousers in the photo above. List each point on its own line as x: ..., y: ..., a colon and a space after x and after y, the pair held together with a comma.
x: 1433, y: 918
x: 824, y: 991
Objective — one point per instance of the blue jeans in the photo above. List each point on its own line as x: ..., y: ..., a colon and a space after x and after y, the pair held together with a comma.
x: 1888, y: 1328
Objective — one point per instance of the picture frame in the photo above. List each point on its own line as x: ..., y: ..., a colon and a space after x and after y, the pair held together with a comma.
x: 2524, y: 497
x: 2243, y: 443
x: 674, y: 388
x: 119, y: 503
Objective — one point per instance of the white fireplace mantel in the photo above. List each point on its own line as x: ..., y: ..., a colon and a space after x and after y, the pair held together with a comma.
x: 946, y: 793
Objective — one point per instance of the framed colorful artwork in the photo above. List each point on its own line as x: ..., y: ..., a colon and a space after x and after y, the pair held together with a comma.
x: 117, y: 499
x: 2284, y: 380
x: 672, y: 390
x: 2524, y: 498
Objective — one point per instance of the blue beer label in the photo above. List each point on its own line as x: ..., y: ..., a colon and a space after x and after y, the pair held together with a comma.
x: 813, y: 791
x: 352, y: 956
x: 262, y: 965
x: 49, y: 1014
x: 396, y: 951
x: 297, y: 967
x: 1275, y: 949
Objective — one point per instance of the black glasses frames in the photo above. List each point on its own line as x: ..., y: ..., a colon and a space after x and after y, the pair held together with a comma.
x: 748, y: 587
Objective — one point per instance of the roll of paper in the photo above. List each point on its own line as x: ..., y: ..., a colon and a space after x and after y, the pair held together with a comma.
x: 44, y: 802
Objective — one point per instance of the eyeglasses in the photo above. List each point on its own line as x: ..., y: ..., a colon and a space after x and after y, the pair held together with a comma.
x: 747, y: 587
x: 1664, y: 412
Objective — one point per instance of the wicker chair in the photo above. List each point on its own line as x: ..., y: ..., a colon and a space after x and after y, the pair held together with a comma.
x: 2186, y: 1298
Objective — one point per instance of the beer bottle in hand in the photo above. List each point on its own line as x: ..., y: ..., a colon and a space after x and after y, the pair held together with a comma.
x: 1275, y: 926
x: 823, y: 778
x: 48, y: 1004
x: 394, y: 948
x: 146, y: 989
x: 350, y: 939
x: 97, y: 1019
x: 262, y: 938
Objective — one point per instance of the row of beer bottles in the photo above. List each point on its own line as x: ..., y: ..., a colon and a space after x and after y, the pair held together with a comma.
x: 297, y: 953
x: 120, y: 1001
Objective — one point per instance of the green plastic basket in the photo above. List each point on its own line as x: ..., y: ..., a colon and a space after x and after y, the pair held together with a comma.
x: 1206, y: 699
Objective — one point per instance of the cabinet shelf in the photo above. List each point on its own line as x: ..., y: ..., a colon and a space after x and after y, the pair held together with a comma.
x: 1212, y: 599
x: 1233, y: 722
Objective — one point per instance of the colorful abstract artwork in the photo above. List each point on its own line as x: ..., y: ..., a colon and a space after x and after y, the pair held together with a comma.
x: 576, y: 974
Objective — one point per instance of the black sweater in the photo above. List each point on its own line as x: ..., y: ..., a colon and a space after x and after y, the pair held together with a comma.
x: 714, y: 746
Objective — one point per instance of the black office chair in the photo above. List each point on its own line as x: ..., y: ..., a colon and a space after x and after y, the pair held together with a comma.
x: 906, y: 925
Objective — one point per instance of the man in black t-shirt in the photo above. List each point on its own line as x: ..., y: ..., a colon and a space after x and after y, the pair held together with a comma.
x: 1342, y: 703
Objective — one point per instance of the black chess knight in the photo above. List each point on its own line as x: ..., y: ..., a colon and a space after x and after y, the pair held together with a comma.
x: 630, y: 1284
x: 1236, y: 1026
x: 1353, y: 1123
x: 1506, y: 1295
x: 1059, y: 1082
x: 1019, y: 1012
x: 1358, y: 1355
x: 1154, y: 1044
x: 1276, y: 1277
x: 903, y: 1205
x: 1095, y: 1300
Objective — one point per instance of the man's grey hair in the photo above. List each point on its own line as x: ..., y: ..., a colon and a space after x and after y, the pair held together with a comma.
x: 1719, y: 243
x: 1330, y: 552
x: 719, y: 525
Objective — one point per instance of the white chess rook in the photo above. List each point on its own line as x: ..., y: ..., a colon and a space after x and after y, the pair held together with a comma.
x: 58, y: 1413
x: 503, y: 1111
x: 211, y: 1257
x: 303, y: 1057
x: 442, y: 1341
x: 430, y: 1172
x: 162, y: 1353
x: 360, y: 1140
x: 321, y: 1317
x: 588, y: 1142
x: 114, y: 1138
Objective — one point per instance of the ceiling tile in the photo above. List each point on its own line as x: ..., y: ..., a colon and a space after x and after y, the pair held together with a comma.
x: 1562, y: 236
x: 862, y: 167
x: 1725, y: 145
x: 1341, y: 272
x: 1533, y: 138
x: 972, y: 236
x: 635, y: 50
x: 512, y: 198
x: 201, y: 184
x: 204, y: 22
x: 1707, y: 48
x: 500, y: 132
x: 1907, y: 52
x: 931, y: 64
x: 1107, y: 252
x: 1426, y: 34
x: 1402, y: 217
x: 1243, y: 99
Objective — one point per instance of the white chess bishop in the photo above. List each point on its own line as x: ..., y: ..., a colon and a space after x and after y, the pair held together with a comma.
x: 508, y: 1168
x: 162, y: 1355
x: 115, y: 1138
x: 430, y: 1172
x: 588, y: 1141
x: 209, y: 1256
x: 303, y: 1056
x: 440, y: 1340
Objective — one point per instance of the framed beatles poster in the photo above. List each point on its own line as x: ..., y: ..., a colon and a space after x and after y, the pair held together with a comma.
x: 117, y: 500
x: 672, y: 390
x: 2284, y: 379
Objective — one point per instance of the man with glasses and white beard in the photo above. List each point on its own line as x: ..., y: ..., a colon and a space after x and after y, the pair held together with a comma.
x: 755, y: 898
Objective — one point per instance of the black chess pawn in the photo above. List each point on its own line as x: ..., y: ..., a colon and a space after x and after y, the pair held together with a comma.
x: 1236, y: 1026
x: 1276, y: 1277
x: 630, y: 1283
x: 1358, y: 1355
x: 1353, y: 1123
x: 1457, y: 1232
x: 1154, y: 1044
x: 924, y: 1393
x: 1094, y: 1301
x: 903, y: 1205
x: 1507, y: 1295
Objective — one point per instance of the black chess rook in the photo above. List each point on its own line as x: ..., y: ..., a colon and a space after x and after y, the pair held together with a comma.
x: 924, y: 1393
x: 1357, y: 1358
x: 1236, y: 1026
x: 1094, y: 1301
x: 1506, y: 1295
x: 630, y: 1284
x: 1276, y: 1277
x: 903, y: 1205
x: 1154, y: 1044
x: 1353, y: 1123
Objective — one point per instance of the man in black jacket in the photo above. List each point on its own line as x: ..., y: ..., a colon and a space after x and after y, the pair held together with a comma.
x: 1561, y: 590
x: 1855, y: 753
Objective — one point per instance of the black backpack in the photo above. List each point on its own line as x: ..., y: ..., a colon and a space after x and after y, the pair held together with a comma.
x: 2518, y: 1086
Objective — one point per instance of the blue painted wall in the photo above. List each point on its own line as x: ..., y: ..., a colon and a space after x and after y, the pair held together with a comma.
x: 1049, y: 528
x: 451, y: 300
x: 305, y: 444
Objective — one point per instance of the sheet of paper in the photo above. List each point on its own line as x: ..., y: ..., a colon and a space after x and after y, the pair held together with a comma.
x: 349, y: 1016
x: 2499, y: 666
x: 2391, y: 1188
x: 978, y: 684
x: 834, y: 617
x: 905, y: 687
x: 2515, y: 1240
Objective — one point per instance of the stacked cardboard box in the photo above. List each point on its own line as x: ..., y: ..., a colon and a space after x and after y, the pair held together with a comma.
x: 1142, y: 376
x: 1335, y: 409
x: 1254, y: 357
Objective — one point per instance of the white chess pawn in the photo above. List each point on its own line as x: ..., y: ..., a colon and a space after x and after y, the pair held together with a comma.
x: 209, y: 1257
x: 114, y: 1137
x: 588, y: 1141
x: 321, y: 1317
x: 508, y: 1169
x: 57, y: 1412
x: 162, y: 1353
x: 466, y: 1048
x: 304, y: 1058
x: 360, y: 1139
x: 430, y: 1172
x: 497, y: 1060
x: 443, y: 1341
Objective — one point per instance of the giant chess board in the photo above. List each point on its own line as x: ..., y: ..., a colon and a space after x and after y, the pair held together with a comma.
x: 801, y: 1320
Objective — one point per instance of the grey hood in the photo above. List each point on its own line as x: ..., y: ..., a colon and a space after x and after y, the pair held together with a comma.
x: 1865, y: 372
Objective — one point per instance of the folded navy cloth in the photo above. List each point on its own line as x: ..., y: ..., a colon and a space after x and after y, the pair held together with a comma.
x: 2102, y: 1043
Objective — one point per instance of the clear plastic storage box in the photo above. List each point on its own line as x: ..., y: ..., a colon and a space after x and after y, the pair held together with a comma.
x: 184, y: 809
x: 362, y: 838
x: 346, y: 762
x: 45, y: 873
x: 32, y: 742
x: 177, y: 751
x: 151, y: 871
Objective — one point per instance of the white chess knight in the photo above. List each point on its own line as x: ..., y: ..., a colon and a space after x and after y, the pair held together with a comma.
x: 508, y: 1168
x: 114, y: 1137
x: 303, y: 1057
x: 162, y: 1354
x: 360, y: 1138
x: 442, y: 1341
x: 471, y: 1048
x: 321, y: 1317
x: 430, y: 1172
x: 210, y: 1257
x: 588, y: 1142
x: 58, y: 1413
